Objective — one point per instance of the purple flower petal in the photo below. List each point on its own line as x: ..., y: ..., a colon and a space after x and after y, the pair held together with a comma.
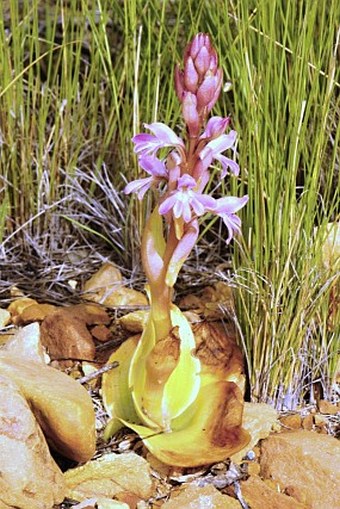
x: 215, y: 127
x: 228, y: 163
x: 183, y: 201
x: 226, y: 207
x: 230, y: 204
x: 167, y: 204
x: 164, y: 134
x: 139, y: 186
x: 233, y: 224
x: 222, y: 143
x: 153, y: 166
x: 186, y: 181
x: 214, y: 149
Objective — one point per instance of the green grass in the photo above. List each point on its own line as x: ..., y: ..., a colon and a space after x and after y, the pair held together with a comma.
x: 79, y: 78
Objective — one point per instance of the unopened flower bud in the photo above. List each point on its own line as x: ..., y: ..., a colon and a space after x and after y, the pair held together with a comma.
x: 218, y: 86
x: 206, y: 92
x: 190, y: 113
x: 201, y: 76
x: 202, y: 61
x: 190, y: 76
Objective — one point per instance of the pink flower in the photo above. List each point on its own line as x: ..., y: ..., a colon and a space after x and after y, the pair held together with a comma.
x: 214, y: 149
x: 184, y: 200
x: 153, y: 167
x: 226, y: 208
x: 163, y: 136
x: 215, y: 127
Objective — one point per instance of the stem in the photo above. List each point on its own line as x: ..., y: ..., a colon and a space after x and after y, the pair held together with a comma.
x: 156, y: 256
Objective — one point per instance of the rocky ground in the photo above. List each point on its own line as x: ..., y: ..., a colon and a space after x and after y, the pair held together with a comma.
x: 292, y: 461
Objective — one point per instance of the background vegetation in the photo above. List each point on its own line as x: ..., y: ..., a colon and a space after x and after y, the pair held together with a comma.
x: 78, y: 79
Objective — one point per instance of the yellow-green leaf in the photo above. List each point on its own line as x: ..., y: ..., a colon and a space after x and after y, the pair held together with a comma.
x: 183, y: 385
x: 115, y: 388
x: 209, y: 431
x: 147, y: 403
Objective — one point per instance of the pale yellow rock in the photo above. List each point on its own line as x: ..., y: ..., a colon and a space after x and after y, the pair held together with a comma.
x: 109, y: 476
x: 30, y: 479
x: 106, y: 503
x: 194, y: 497
x: 17, y: 307
x: 100, y: 503
x: 306, y: 465
x: 135, y: 321
x: 61, y: 405
x: 258, y: 420
x: 5, y: 318
x: 26, y: 343
x: 106, y: 288
x: 123, y: 296
x: 108, y: 277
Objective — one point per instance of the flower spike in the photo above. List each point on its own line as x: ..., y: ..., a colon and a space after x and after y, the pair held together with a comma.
x: 185, y: 401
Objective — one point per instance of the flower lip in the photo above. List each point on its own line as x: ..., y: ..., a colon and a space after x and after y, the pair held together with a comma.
x: 153, y: 166
x: 163, y: 136
x: 214, y: 149
x: 184, y: 200
x: 225, y: 208
x: 187, y: 181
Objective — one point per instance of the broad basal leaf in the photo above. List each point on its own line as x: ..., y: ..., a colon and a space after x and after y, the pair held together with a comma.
x: 116, y: 394
x: 209, y: 431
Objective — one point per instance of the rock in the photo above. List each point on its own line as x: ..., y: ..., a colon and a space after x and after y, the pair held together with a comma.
x: 17, y: 307
x: 308, y: 422
x: 212, y: 301
x: 306, y: 465
x: 253, y: 468
x: 293, y: 421
x: 106, y: 279
x: 259, y: 495
x: 325, y: 407
x: 195, y: 497
x: 135, y: 321
x: 123, y: 296
x: 26, y: 342
x: 30, y: 479
x: 66, y: 336
x: 101, y: 333
x: 61, y: 405
x: 5, y: 318
x: 91, y: 314
x: 112, y: 475
x: 65, y: 333
x: 100, y: 503
x: 258, y: 420
x: 35, y: 313
x: 106, y: 287
x: 320, y: 420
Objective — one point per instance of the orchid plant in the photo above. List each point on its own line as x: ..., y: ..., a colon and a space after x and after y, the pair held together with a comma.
x: 162, y: 389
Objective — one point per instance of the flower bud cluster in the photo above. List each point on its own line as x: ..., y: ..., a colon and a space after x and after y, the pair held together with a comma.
x: 198, y: 85
x: 184, y: 172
